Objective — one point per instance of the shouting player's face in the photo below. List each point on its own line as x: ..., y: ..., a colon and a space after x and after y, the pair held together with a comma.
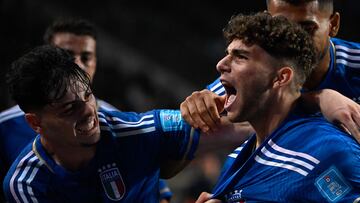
x: 73, y: 120
x: 247, y: 75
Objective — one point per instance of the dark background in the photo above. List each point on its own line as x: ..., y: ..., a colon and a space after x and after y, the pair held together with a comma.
x: 151, y: 54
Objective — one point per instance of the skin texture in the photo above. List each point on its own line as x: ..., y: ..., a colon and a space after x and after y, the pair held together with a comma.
x: 240, y: 64
x: 82, y: 47
x: 320, y: 24
x: 69, y: 128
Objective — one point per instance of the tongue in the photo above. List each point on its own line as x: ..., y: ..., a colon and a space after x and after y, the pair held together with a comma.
x: 230, y: 99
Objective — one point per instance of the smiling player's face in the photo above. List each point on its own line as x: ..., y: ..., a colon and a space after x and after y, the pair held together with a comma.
x: 73, y: 120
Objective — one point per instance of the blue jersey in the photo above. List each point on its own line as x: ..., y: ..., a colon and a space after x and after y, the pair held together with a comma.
x: 343, y: 74
x: 344, y: 69
x: 306, y: 159
x: 165, y: 192
x: 15, y: 133
x: 125, y: 168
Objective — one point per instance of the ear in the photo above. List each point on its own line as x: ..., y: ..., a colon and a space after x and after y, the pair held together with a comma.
x: 334, y: 24
x: 34, y: 121
x: 283, y: 77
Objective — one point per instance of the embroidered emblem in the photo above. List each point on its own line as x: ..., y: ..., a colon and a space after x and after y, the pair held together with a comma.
x: 235, y: 197
x: 332, y: 184
x: 171, y: 120
x: 112, y: 182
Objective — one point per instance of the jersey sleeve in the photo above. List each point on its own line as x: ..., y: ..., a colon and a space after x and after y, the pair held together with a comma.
x: 216, y: 87
x: 158, y: 133
x: 179, y: 140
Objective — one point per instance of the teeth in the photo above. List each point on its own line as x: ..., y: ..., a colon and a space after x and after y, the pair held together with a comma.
x: 230, y: 99
x: 86, y: 127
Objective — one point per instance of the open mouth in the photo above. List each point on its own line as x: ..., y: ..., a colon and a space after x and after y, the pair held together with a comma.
x: 230, y: 95
x: 86, y: 126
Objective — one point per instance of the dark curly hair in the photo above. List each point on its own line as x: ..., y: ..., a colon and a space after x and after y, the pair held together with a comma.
x: 75, y: 26
x: 43, y: 76
x: 282, y: 39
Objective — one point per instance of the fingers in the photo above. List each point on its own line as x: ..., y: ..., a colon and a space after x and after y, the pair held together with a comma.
x: 206, y: 108
x: 200, y: 110
x: 185, y: 113
x: 204, y: 197
x: 356, y: 133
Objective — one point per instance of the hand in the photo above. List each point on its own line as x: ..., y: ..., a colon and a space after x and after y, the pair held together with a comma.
x: 206, y: 198
x: 202, y: 110
x: 339, y: 109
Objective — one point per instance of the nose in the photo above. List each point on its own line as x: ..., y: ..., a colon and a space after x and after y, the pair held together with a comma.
x: 79, y: 62
x: 86, y: 107
x: 223, y: 64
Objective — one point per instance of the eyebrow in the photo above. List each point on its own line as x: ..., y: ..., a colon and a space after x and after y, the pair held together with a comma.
x: 237, y: 52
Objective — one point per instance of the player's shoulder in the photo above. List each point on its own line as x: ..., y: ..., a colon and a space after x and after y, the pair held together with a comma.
x: 11, y: 113
x: 344, y: 45
x: 347, y: 53
x: 103, y: 105
x: 314, y: 131
x: 26, y: 170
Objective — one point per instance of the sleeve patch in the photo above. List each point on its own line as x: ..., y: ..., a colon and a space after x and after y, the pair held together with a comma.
x: 332, y: 184
x: 171, y: 120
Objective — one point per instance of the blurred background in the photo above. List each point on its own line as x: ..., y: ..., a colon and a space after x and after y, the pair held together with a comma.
x: 151, y: 54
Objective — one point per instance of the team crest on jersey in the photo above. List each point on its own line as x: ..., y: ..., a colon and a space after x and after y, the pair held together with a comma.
x: 332, y: 184
x: 112, y: 182
x: 235, y: 197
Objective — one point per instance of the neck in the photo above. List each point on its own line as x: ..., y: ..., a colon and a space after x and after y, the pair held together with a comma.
x: 319, y: 73
x: 70, y: 157
x: 273, y: 115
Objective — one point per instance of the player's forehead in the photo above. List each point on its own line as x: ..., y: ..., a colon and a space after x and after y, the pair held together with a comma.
x: 299, y: 12
x: 70, y: 91
x: 73, y: 42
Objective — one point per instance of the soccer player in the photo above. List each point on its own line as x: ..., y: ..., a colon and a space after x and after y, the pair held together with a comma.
x: 82, y: 155
x: 77, y: 36
x: 294, y: 156
x: 337, y: 69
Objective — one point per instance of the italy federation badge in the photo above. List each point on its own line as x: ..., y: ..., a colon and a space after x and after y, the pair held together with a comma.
x: 112, y: 182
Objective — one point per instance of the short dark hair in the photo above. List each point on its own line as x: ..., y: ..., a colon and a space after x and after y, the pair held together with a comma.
x: 75, y: 26
x: 324, y: 5
x: 43, y: 76
x: 282, y: 39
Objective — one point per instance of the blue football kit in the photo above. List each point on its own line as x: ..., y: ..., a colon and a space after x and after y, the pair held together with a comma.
x: 125, y: 168
x: 306, y: 159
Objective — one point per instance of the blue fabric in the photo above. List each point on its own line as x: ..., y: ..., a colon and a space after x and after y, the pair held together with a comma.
x: 287, y: 167
x: 125, y: 167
